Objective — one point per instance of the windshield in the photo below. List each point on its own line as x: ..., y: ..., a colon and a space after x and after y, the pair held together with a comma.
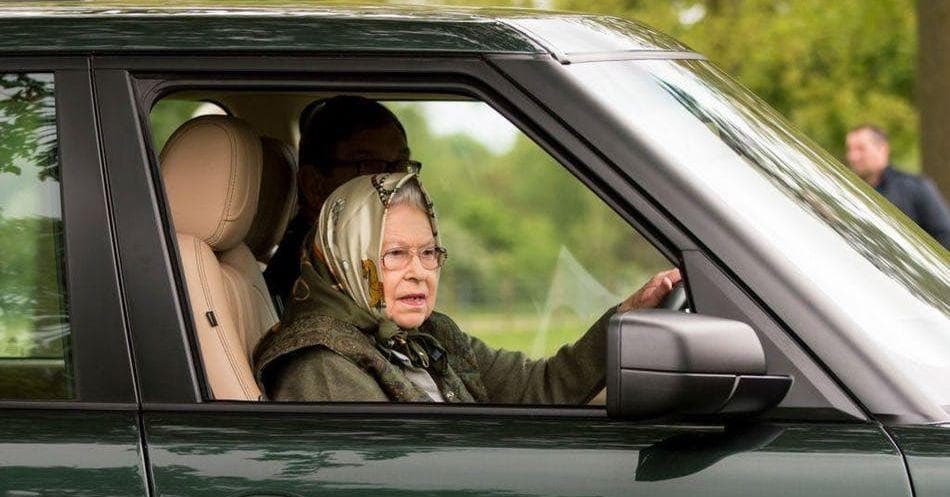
x: 898, y: 291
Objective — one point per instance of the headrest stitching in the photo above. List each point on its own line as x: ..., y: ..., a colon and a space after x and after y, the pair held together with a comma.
x: 224, y: 218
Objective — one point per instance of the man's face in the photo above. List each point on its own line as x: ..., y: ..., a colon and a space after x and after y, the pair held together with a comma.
x: 866, y: 154
x: 385, y: 143
x: 364, y: 152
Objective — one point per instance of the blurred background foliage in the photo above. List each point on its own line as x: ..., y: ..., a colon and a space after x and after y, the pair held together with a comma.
x: 827, y: 66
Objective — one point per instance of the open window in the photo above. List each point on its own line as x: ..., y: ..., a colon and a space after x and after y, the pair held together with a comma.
x: 534, y: 256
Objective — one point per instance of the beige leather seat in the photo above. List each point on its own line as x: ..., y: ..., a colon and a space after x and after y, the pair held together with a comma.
x: 211, y: 168
x: 276, y: 201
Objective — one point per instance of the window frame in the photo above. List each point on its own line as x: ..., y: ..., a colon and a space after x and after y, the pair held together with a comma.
x: 101, y: 362
x: 147, y: 79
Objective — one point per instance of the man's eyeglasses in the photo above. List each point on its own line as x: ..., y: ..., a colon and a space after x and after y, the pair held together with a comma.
x: 374, y: 166
x: 398, y: 258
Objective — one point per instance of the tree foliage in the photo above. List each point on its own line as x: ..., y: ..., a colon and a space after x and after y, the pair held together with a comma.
x: 933, y: 78
x: 827, y: 66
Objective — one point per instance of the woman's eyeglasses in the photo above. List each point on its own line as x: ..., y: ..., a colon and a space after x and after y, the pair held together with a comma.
x: 398, y: 258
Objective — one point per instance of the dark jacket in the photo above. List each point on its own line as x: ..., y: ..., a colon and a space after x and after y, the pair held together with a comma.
x: 329, y: 360
x: 284, y: 267
x: 917, y: 197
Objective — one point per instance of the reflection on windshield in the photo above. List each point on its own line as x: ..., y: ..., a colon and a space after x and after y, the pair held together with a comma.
x: 870, y: 225
x: 574, y: 288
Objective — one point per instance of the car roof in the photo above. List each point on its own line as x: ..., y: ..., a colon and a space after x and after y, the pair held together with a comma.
x: 302, y: 27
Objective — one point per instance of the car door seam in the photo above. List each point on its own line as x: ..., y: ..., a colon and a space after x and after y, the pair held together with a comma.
x: 130, y: 345
x: 893, y: 439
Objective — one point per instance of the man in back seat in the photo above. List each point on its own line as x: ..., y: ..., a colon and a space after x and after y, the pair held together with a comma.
x: 340, y: 138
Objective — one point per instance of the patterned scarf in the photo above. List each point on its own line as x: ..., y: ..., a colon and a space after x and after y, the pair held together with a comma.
x: 348, y: 241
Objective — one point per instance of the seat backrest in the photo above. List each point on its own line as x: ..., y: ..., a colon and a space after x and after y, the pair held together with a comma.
x: 211, y: 167
x: 276, y: 201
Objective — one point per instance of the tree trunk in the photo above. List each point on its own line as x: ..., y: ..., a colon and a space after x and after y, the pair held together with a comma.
x: 933, y: 90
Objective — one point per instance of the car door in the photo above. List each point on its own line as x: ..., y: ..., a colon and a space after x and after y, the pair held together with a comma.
x: 68, y: 412
x: 819, y: 442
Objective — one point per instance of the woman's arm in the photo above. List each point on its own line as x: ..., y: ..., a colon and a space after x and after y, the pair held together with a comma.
x: 573, y: 375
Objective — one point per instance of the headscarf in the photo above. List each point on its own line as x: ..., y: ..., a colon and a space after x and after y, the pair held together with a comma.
x: 347, y: 245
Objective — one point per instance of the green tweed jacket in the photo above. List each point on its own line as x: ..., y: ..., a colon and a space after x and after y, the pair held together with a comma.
x: 330, y: 360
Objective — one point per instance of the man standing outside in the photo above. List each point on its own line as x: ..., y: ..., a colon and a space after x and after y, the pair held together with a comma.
x: 868, y: 155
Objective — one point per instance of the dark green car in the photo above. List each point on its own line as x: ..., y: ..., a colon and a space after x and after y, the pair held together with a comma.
x: 570, y: 156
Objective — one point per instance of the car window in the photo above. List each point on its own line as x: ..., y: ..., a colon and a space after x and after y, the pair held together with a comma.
x: 34, y: 322
x: 534, y: 257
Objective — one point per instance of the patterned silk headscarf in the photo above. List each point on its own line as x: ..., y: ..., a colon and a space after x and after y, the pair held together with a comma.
x: 350, y: 235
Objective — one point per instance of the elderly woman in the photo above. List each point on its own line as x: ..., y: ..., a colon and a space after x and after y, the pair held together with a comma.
x: 361, y: 325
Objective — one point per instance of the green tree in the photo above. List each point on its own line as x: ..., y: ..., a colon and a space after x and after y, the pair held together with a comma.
x: 827, y: 66
x: 933, y: 98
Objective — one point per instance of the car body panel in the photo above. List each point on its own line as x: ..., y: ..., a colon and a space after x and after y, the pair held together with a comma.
x: 927, y: 450
x: 258, y: 34
x: 90, y: 453
x: 292, y: 454
x: 307, y: 28
x: 119, y: 27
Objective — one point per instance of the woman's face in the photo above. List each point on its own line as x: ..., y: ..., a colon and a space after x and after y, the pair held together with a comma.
x: 409, y: 292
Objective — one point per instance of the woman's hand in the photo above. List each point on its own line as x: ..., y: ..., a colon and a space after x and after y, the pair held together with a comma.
x: 652, y: 293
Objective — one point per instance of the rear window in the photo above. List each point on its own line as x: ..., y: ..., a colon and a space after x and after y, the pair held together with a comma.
x: 34, y: 324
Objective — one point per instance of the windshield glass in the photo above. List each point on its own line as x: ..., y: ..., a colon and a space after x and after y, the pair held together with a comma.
x: 899, y: 295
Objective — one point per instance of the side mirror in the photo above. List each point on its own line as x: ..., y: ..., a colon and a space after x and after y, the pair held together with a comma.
x: 662, y: 363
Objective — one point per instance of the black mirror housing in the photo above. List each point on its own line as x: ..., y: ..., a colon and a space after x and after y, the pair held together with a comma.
x: 662, y: 363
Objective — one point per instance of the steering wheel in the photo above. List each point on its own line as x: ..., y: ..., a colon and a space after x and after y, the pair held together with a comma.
x: 676, y: 300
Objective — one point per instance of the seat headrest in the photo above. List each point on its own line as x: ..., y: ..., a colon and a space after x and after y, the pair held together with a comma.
x: 211, y: 167
x: 277, y: 199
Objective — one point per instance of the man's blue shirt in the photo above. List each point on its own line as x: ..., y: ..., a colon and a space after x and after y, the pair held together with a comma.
x: 917, y: 197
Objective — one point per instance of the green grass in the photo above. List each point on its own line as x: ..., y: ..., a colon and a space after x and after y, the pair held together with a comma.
x: 523, y: 332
